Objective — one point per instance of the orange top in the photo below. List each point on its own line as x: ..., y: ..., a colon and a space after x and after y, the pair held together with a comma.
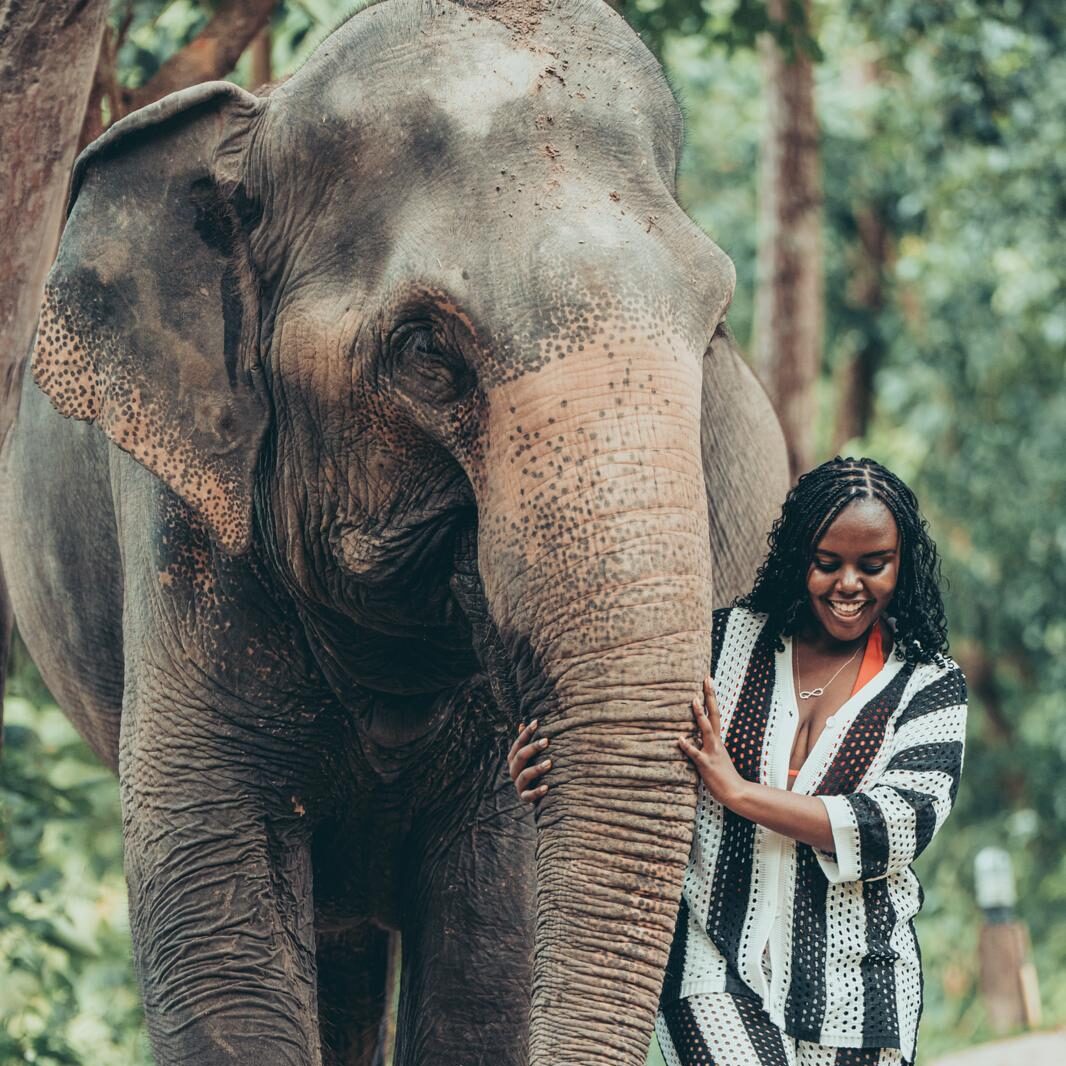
x: 873, y: 659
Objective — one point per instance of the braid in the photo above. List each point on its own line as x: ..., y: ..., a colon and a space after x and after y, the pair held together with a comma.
x: 780, y: 588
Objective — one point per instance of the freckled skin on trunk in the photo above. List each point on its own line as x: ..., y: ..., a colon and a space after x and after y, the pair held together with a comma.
x: 374, y: 450
x: 594, y: 548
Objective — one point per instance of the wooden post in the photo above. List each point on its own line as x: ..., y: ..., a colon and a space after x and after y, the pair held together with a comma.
x: 1008, y: 979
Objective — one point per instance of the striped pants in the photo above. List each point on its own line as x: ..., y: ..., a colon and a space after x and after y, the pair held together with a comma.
x: 722, y: 1029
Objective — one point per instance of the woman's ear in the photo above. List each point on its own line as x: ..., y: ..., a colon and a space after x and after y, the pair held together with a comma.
x: 150, y: 322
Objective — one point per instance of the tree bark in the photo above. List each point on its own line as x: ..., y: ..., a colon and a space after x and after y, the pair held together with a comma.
x: 787, y: 343
x: 866, y: 294
x: 48, y: 53
x: 870, y: 256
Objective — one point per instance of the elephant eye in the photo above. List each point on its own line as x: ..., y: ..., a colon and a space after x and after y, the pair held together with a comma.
x: 426, y: 369
x: 722, y: 329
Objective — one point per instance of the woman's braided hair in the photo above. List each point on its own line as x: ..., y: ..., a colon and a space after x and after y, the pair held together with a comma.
x: 780, y: 589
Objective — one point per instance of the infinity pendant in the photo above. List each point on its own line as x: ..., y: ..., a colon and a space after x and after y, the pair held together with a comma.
x: 812, y: 692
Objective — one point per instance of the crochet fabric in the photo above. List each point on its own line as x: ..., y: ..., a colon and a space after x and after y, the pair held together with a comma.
x: 716, y: 1029
x: 825, y: 942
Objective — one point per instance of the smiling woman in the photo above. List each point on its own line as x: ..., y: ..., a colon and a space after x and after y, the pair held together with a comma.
x: 795, y: 942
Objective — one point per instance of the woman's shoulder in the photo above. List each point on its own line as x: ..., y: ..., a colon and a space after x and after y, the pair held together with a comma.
x: 737, y: 614
x: 736, y: 630
x: 734, y: 640
x: 938, y: 668
x: 941, y: 677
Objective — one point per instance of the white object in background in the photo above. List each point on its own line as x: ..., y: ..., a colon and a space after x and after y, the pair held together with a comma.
x: 993, y: 874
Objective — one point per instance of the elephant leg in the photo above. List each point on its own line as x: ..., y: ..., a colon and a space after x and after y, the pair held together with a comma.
x: 468, y: 927
x: 353, y: 979
x: 219, y: 874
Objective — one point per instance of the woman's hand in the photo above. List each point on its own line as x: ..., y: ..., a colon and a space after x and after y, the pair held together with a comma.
x: 710, y: 757
x: 803, y: 818
x: 522, y: 750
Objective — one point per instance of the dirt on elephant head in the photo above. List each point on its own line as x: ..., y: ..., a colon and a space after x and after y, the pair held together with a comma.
x: 521, y: 17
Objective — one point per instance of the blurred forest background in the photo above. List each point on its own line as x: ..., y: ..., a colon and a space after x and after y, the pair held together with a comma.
x: 889, y: 178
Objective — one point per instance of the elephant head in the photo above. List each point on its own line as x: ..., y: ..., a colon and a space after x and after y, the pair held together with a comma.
x: 435, y: 293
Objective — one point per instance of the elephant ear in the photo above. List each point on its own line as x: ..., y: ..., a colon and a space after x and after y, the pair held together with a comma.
x: 150, y: 320
x: 745, y: 465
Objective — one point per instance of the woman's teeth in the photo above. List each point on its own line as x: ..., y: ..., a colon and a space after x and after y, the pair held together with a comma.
x: 846, y: 610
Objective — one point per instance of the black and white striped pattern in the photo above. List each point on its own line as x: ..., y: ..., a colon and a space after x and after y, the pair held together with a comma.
x: 825, y: 942
x: 721, y: 1029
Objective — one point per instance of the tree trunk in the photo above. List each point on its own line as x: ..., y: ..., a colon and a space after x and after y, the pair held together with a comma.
x: 259, y: 54
x: 787, y: 343
x: 869, y: 259
x: 981, y: 678
x: 48, y: 53
x: 866, y: 295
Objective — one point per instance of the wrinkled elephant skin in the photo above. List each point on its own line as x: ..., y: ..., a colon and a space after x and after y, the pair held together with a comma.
x: 369, y: 417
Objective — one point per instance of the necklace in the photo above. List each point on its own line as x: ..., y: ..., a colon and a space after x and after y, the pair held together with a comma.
x: 807, y: 694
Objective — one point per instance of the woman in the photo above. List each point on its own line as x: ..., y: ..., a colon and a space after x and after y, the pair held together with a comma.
x: 829, y: 748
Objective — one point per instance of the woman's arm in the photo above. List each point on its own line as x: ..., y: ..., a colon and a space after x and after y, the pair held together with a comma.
x: 874, y: 831
x: 882, y: 828
x: 803, y: 818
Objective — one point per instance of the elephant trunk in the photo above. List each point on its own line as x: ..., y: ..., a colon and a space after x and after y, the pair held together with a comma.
x: 596, y: 562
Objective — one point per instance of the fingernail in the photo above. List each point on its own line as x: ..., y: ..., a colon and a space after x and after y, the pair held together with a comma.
x: 542, y: 789
x: 546, y: 764
x: 543, y: 742
x: 534, y: 723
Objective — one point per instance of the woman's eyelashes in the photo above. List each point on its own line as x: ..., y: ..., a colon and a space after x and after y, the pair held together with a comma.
x: 868, y: 568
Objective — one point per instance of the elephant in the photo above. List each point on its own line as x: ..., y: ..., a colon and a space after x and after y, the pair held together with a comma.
x: 369, y: 416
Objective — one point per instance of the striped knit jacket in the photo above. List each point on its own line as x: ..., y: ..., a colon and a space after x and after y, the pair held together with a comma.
x: 825, y: 941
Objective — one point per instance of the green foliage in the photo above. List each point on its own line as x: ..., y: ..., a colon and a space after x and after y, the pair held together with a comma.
x: 68, y: 994
x: 153, y: 30
x: 730, y: 25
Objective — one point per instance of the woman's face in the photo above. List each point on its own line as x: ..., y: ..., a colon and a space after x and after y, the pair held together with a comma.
x: 854, y: 570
